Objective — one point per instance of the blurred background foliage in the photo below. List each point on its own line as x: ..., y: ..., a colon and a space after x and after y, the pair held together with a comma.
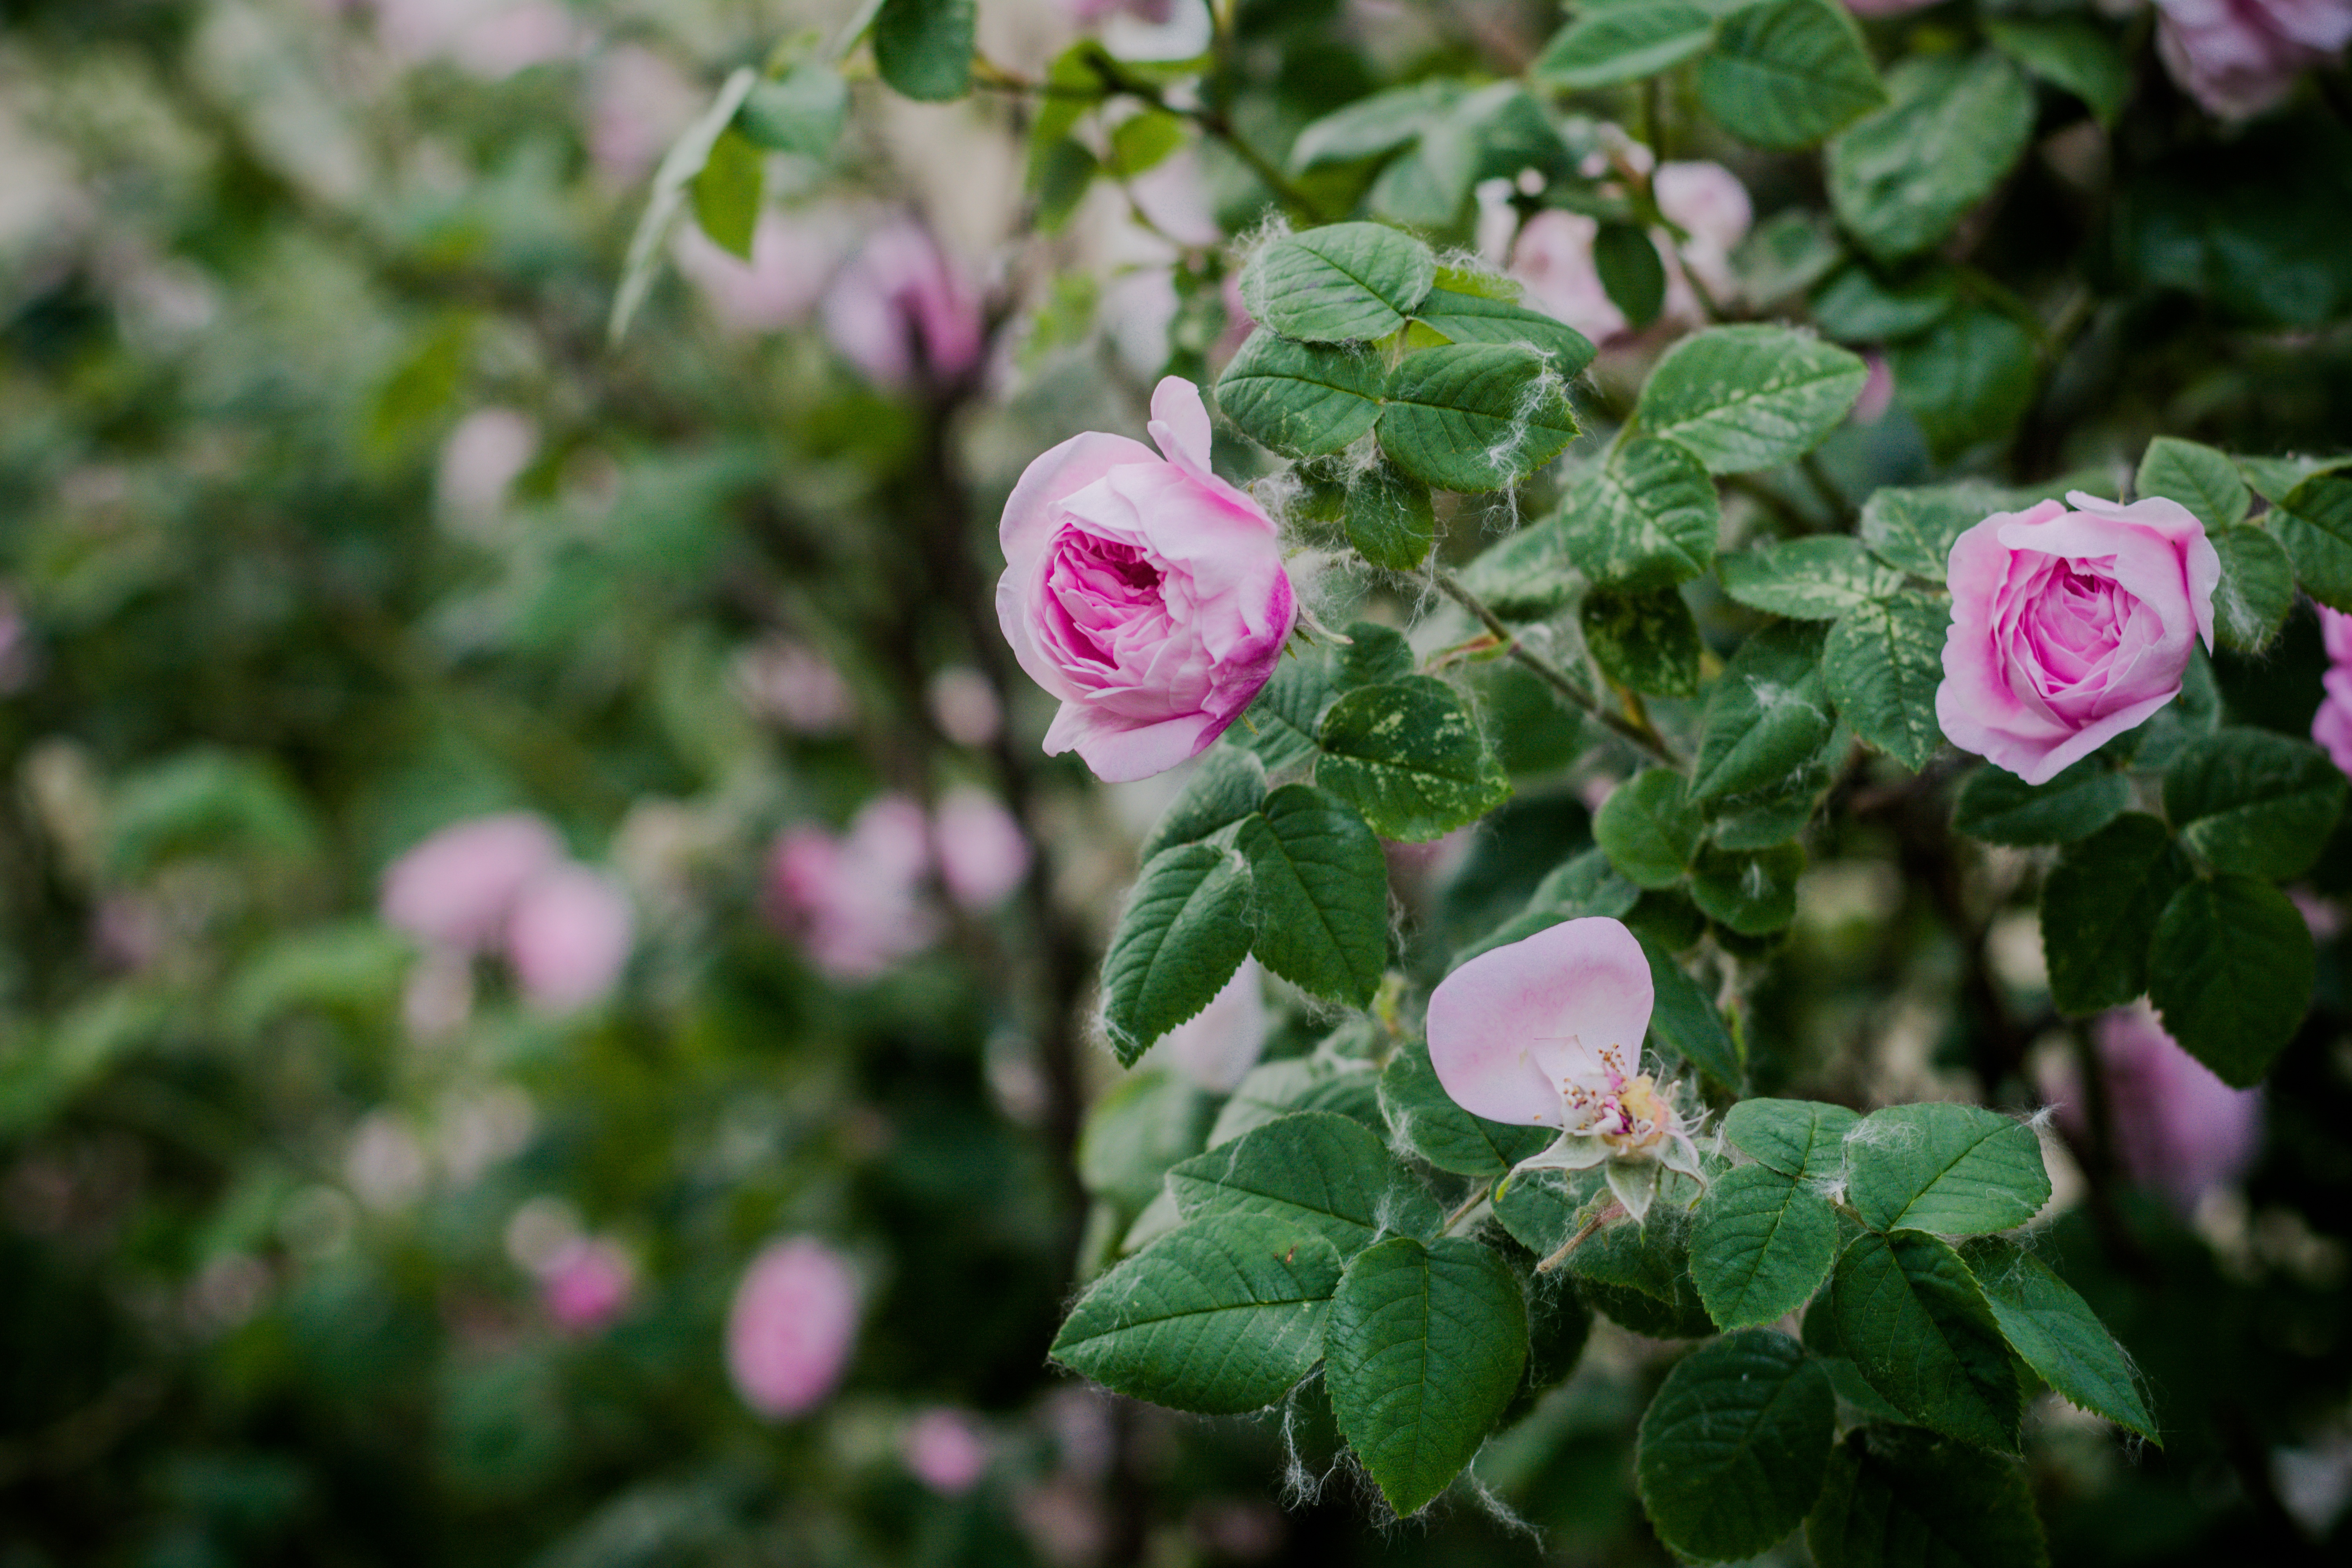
x: 330, y: 517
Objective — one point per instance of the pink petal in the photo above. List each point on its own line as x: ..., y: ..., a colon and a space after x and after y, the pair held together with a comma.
x: 1503, y: 1026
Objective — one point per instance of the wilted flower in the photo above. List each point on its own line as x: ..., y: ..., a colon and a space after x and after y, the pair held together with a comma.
x: 569, y: 938
x: 457, y: 888
x: 790, y: 1330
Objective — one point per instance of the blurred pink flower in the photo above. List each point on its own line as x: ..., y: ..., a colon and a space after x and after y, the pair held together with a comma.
x: 790, y: 1328
x: 2331, y: 727
x: 855, y: 901
x: 1217, y: 1047
x: 946, y: 1449
x: 2239, y: 58
x: 458, y: 887
x: 1553, y: 254
x: 481, y: 459
x: 902, y: 312
x: 796, y: 686
x: 2178, y: 1127
x: 982, y: 853
x: 965, y: 706
x: 792, y: 255
x: 489, y: 39
x: 586, y: 1283
x: 568, y: 937
x: 638, y: 103
x: 1877, y: 395
x: 2335, y: 634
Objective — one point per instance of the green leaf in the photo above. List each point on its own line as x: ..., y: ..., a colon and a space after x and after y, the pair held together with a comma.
x: 1585, y: 884
x: 1301, y: 399
x: 1899, y: 1498
x: 1219, y: 1316
x: 1227, y: 785
x: 2201, y: 479
x: 1795, y: 1137
x: 1461, y: 317
x: 1423, y: 1352
x: 1785, y: 255
x: 1372, y: 656
x: 1787, y: 73
x: 1137, y: 1131
x: 2274, y: 479
x: 1143, y: 142
x: 2100, y: 906
x: 1647, y: 518
x: 1280, y: 725
x: 2196, y: 711
x: 2252, y: 801
x: 1956, y: 1170
x: 1390, y: 521
x: 2070, y: 53
x: 1914, y: 529
x: 1347, y: 282
x: 1319, y: 895
x: 2256, y: 590
x: 1684, y: 1021
x: 679, y: 165
x: 923, y: 47
x: 1760, y: 1245
x: 1632, y: 273
x: 1525, y: 575
x: 2314, y: 523
x: 1883, y: 663
x: 1474, y: 416
x: 2230, y: 970
x: 1768, y: 817
x: 1442, y: 1133
x: 1768, y: 716
x: 1371, y: 127
x: 1535, y: 733
x: 1603, y: 46
x: 1901, y: 179
x: 1754, y: 892
x: 1817, y: 578
x: 1185, y: 931
x: 1409, y: 756
x: 1855, y: 307
x: 800, y: 111
x: 1735, y: 1445
x: 1648, y: 829
x: 726, y: 193
x: 1065, y: 172
x: 1999, y: 808
x: 2058, y: 1334
x: 1749, y: 396
x: 1326, y: 1173
x: 1645, y: 638
x: 1969, y: 379
x: 1271, y: 1091
x: 1638, y: 1276
x: 1912, y: 1317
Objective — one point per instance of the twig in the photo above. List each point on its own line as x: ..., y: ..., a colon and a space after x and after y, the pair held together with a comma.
x: 1592, y: 1228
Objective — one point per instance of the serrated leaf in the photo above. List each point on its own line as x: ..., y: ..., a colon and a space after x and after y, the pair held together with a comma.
x: 1219, y: 1316
x: 1301, y: 399
x: 1768, y: 715
x: 2100, y: 906
x: 2252, y: 801
x: 1734, y: 1446
x: 2057, y: 1334
x: 1137, y: 1131
x: 1421, y: 1112
x: 1312, y: 1168
x: 1762, y: 1244
x: 1647, y: 518
x: 1968, y: 379
x: 1818, y: 578
x: 1227, y: 783
x: 1648, y: 829
x: 2274, y: 479
x: 1632, y: 272
x: 1914, y: 529
x: 1373, y: 655
x: 1787, y: 73
x: 1683, y: 1020
x: 1347, y: 282
x: 1899, y: 1498
x: 1423, y: 1352
x: 1803, y: 1138
x: 1912, y: 1317
x: 1646, y: 640
x: 1460, y: 316
x: 2201, y: 479
x: 1956, y: 1170
x: 1883, y: 663
x: 1280, y: 724
x: 2230, y: 970
x: 2256, y: 589
x: 1474, y: 416
x: 1319, y: 906
x: 1749, y: 396
x: 1638, y: 1276
x: 1901, y: 179
x: 1390, y: 521
x: 1999, y: 808
x: 2070, y: 53
x: 1602, y: 46
x: 1527, y: 575
x: 1409, y: 756
x: 1752, y: 891
x: 1185, y: 931
x: 2314, y: 523
x: 923, y: 47
x: 1271, y: 1091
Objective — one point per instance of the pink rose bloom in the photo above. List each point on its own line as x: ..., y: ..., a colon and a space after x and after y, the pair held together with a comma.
x: 790, y: 1330
x: 2331, y: 727
x: 480, y: 461
x: 1146, y: 594
x: 982, y: 853
x: 2071, y: 627
x: 1216, y: 1047
x: 586, y: 1283
x: 457, y: 888
x: 792, y: 255
x: 902, y: 312
x: 2178, y: 1127
x: 946, y: 1450
x: 570, y: 937
x: 854, y: 902
x: 964, y: 706
x: 1553, y: 255
x: 638, y: 103
x: 2239, y: 58
x: 1547, y: 1031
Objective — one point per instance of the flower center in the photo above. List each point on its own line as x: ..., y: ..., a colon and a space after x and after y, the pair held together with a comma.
x: 1100, y: 586
x: 1630, y: 1112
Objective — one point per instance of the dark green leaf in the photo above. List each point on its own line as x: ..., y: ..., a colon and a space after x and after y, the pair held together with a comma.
x: 1648, y: 829
x: 1301, y: 399
x: 1787, y: 73
x: 1373, y: 655
x: 1638, y: 1276
x: 1684, y: 1021
x: 2100, y: 906
x: 1817, y: 578
x: 1185, y: 931
x: 1632, y: 272
x: 1967, y: 380
x: 1956, y: 1170
x: 1914, y: 529
x: 1754, y: 892
x: 2230, y: 970
x: 1795, y: 1137
x: 1647, y: 518
x: 2256, y: 590
x: 1883, y: 663
x: 1409, y: 756
x: 1347, y: 282
x: 1768, y: 715
x: 800, y: 111
x: 1913, y: 1318
x: 1326, y: 1173
x: 1760, y: 1245
x: 2067, y: 52
x: 1644, y: 639
x: 1856, y: 307
x: 2314, y: 523
x: 1527, y: 575
x: 1734, y: 1446
x: 1320, y: 908
x: 2253, y: 802
x: 2057, y: 1334
x: 1460, y: 317
x: 1901, y: 179
x: 1423, y: 1114
x: 1474, y: 416
x: 1390, y: 521
x: 1999, y: 808
x: 1281, y: 724
x: 1749, y: 396
x: 2201, y: 479
x: 1139, y: 1130
x: 1900, y: 1498
x: 1227, y: 785
x: 923, y: 47
x: 1274, y: 1089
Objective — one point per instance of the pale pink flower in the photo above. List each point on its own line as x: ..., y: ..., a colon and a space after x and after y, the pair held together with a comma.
x: 1553, y: 260
x: 854, y: 902
x: 793, y: 257
x: 2331, y: 727
x: 458, y: 887
x: 480, y: 461
x: 1877, y: 395
x: 2177, y: 1127
x: 946, y: 1450
x: 982, y: 853
x: 2239, y: 58
x: 638, y: 103
x: 790, y: 1330
x: 2071, y: 627
x: 1710, y: 205
x: 1216, y: 1047
x: 902, y: 312
x: 1143, y: 591
x: 1553, y: 255
x: 586, y: 1283
x: 2335, y: 634
x: 1547, y: 1031
x: 965, y: 706
x: 796, y: 686
x: 570, y: 937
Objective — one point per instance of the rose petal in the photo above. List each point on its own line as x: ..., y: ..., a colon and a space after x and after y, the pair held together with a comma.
x: 1506, y: 1027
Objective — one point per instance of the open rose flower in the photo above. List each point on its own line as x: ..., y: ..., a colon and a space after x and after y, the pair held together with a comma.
x: 1547, y: 1031
x: 2239, y: 58
x: 1143, y: 591
x: 2071, y: 627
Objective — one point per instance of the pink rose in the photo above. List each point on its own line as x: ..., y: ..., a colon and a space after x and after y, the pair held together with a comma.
x: 586, y: 1283
x: 902, y: 312
x: 2177, y: 1127
x: 792, y: 255
x: 855, y: 901
x: 2238, y: 58
x: 1148, y: 595
x: 982, y: 853
x: 457, y: 888
x: 1217, y: 1047
x: 2071, y: 627
x: 1553, y: 255
x: 2331, y: 727
x: 790, y: 1330
x: 569, y: 938
x: 1877, y: 393
x: 946, y: 1450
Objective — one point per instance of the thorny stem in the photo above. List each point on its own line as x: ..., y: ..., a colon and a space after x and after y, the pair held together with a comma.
x: 1592, y: 1228
x: 1642, y: 736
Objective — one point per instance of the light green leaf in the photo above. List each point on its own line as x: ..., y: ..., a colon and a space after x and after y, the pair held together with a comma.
x: 679, y: 165
x: 1787, y: 73
x: 1768, y: 716
x: 1648, y: 829
x: 1999, y: 808
x: 1227, y: 785
x: 1450, y: 1138
x: 2058, y: 1334
x: 1185, y: 931
x: 1474, y: 416
x: 1883, y: 663
x: 1143, y: 142
x: 1301, y: 399
x: 1761, y: 1243
x: 2314, y: 523
x: 1137, y: 1131
x: 2201, y: 479
x: 2256, y: 590
x: 1749, y: 396
x: 1754, y: 892
x: 1817, y: 578
x: 1855, y: 307
x: 1646, y: 640
x: 1370, y: 127
x: 1911, y: 1315
x: 1311, y: 1168
x: 923, y: 47
x: 1461, y: 317
x: 2254, y: 801
x: 727, y: 194
x: 1956, y: 1170
x: 800, y: 111
x: 1900, y: 1498
x: 1271, y: 1091
x: 1901, y: 179
x: 1409, y: 756
x: 2100, y: 906
x: 1969, y: 379
x: 2067, y: 52
x: 1647, y: 518
x: 1423, y: 1352
x: 1319, y: 907
x: 1802, y: 1138
x: 1350, y: 282
x: 2230, y: 970
x: 1219, y: 1316
x: 1734, y: 1446
x: 1603, y: 46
